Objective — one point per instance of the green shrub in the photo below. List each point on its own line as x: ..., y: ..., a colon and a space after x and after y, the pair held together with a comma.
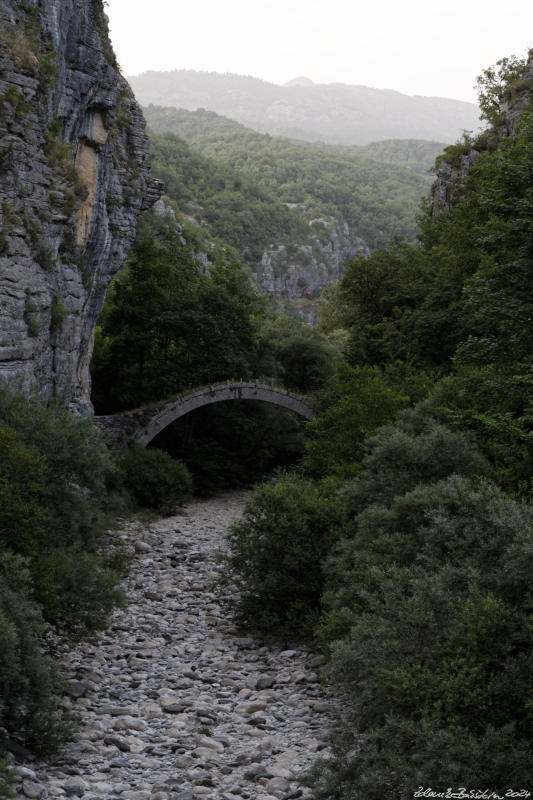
x: 417, y: 449
x: 54, y: 477
x: 451, y: 522
x: 430, y: 602
x: 393, y: 761
x: 276, y: 555
x: 437, y: 675
x: 58, y: 313
x: 454, y: 152
x: 155, y: 479
x: 77, y: 587
x: 23, y: 516
x: 28, y: 679
x: 46, y: 256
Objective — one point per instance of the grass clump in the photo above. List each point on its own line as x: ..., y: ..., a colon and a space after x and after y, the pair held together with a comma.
x: 22, y: 48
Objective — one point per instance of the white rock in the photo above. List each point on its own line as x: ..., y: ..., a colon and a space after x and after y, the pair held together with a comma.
x: 32, y: 789
x: 207, y: 741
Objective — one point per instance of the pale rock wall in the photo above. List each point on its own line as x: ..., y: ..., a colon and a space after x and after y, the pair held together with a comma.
x: 298, y: 272
x: 74, y: 175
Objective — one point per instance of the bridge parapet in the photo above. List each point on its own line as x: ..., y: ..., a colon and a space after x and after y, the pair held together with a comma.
x: 142, y: 425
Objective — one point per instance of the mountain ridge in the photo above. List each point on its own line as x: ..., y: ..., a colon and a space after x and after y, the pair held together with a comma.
x: 335, y: 113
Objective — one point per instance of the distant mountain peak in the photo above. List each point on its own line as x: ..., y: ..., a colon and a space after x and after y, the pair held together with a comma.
x: 300, y: 81
x: 335, y: 113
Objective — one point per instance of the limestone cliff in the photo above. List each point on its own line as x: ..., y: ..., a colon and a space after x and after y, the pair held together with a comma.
x: 298, y: 272
x: 74, y: 175
x: 453, y: 170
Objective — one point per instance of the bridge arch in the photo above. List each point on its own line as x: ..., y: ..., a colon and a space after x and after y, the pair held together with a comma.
x: 140, y: 427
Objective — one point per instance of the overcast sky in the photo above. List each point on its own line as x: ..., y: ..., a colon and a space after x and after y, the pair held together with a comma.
x: 413, y: 46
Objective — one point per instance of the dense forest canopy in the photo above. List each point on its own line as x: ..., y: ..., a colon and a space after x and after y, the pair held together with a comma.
x: 214, y: 133
x: 309, y: 206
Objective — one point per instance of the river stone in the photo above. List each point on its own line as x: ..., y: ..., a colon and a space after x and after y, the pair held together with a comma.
x: 278, y: 786
x: 207, y: 744
x: 213, y: 744
x: 32, y: 789
x: 75, y: 787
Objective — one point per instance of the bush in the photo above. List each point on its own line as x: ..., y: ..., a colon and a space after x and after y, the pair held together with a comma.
x: 76, y: 463
x: 28, y: 679
x: 23, y: 515
x: 53, y: 508
x: 155, y: 479
x: 417, y: 449
x: 77, y: 587
x: 396, y: 759
x: 276, y: 555
x: 431, y: 603
x: 54, y: 477
x: 451, y: 522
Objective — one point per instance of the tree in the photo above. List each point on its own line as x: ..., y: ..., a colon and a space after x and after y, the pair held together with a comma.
x: 276, y: 554
x: 493, y: 84
x: 167, y: 326
x: 362, y: 401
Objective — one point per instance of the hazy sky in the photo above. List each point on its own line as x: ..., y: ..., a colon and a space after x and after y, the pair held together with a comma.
x: 414, y: 46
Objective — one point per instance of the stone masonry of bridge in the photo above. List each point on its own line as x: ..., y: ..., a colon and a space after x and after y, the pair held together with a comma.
x: 142, y: 425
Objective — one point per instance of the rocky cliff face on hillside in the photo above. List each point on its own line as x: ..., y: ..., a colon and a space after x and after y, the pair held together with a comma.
x: 452, y: 172
x: 298, y: 272
x: 74, y: 175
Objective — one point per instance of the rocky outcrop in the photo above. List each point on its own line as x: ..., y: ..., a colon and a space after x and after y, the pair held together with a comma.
x: 449, y: 178
x: 517, y: 99
x: 298, y: 272
x: 453, y: 170
x: 74, y: 175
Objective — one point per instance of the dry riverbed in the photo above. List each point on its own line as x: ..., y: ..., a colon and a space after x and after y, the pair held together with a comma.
x: 175, y: 702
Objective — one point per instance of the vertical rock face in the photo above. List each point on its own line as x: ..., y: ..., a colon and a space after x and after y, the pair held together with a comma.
x: 298, y: 272
x: 450, y: 176
x: 74, y: 175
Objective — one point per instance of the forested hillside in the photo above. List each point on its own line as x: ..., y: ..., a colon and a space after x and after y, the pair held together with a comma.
x: 415, y: 154
x: 336, y: 113
x: 296, y: 212
x: 403, y: 544
x: 206, y: 130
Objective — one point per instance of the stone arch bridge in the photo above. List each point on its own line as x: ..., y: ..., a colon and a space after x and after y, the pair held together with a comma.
x: 143, y: 425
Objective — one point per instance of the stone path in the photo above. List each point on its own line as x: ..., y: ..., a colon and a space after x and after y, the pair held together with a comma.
x: 174, y: 702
